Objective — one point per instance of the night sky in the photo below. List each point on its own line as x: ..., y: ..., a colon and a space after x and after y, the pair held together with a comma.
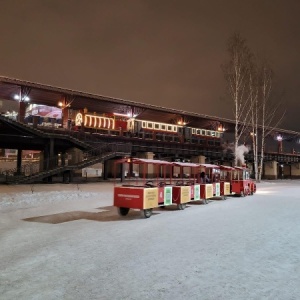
x: 160, y: 52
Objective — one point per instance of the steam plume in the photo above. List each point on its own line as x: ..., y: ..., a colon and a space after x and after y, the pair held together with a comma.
x: 240, y: 153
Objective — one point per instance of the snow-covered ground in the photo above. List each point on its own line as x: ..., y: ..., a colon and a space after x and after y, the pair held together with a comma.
x: 62, y: 241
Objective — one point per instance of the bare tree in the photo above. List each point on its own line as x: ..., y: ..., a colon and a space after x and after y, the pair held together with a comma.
x: 265, y: 113
x: 253, y: 93
x: 237, y: 73
x: 270, y: 112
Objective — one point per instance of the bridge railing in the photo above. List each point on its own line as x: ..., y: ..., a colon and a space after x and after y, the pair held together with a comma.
x: 56, y: 162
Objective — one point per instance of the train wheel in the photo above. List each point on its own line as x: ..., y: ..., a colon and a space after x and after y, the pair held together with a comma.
x: 181, y: 206
x: 224, y: 197
x: 147, y: 213
x: 123, y: 211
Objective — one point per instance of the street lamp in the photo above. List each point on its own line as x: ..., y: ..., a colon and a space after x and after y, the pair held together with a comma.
x: 279, y: 139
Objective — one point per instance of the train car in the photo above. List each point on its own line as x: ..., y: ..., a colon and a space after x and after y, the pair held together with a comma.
x: 155, y: 130
x: 226, y: 176
x: 145, y: 129
x: 144, y: 194
x: 186, y: 189
x: 210, y: 174
x: 173, y: 132
x: 241, y: 183
x: 101, y: 124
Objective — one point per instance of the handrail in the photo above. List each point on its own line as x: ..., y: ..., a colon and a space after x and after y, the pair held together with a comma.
x: 45, y: 133
x: 54, y: 165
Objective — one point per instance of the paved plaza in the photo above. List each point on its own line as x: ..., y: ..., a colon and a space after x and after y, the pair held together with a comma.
x: 68, y: 242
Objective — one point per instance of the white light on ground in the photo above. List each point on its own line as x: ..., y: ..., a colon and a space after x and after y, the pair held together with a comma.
x: 264, y: 192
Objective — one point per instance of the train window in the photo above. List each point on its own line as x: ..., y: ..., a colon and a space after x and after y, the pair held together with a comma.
x: 130, y: 125
x: 169, y: 128
x: 179, y: 129
x: 213, y: 133
x: 159, y: 136
x: 163, y: 127
x: 217, y: 134
x: 208, y: 132
x: 149, y: 125
x: 193, y: 130
x: 175, y: 128
x: 156, y: 125
x: 198, y: 131
x: 143, y: 124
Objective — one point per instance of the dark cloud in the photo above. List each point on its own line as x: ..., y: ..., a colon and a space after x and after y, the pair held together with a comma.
x: 159, y: 52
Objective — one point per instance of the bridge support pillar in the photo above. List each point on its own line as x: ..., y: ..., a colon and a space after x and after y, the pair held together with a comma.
x: 19, y: 161
x: 42, y: 161
x: 150, y: 168
x: 76, y: 156
x: 270, y: 170
x: 22, y: 110
x: 63, y: 158
x: 200, y: 159
x: 295, y: 171
x: 67, y: 176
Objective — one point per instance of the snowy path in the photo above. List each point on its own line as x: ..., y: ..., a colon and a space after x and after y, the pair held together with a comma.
x: 67, y: 242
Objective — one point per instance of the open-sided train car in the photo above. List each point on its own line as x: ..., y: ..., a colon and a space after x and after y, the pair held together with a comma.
x: 147, y: 193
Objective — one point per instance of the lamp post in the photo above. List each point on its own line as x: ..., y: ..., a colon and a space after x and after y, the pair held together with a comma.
x: 279, y: 139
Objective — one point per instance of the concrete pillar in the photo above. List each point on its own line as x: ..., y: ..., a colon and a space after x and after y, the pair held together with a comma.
x: 295, y: 170
x: 67, y: 176
x: 63, y: 158
x: 22, y: 110
x: 76, y: 156
x: 19, y: 161
x: 270, y: 170
x: 200, y: 159
x: 112, y: 170
x: 42, y: 161
x: 65, y: 117
x: 105, y: 170
x: 287, y: 171
x: 149, y: 172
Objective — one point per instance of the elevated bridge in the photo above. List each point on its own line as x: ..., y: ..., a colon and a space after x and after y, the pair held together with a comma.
x: 191, y: 136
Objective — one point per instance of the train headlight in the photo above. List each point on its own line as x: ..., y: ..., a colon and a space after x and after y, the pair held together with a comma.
x: 78, y: 119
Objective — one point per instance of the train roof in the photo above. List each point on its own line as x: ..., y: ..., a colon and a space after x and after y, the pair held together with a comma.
x: 209, y: 166
x: 186, y: 164
x: 143, y: 161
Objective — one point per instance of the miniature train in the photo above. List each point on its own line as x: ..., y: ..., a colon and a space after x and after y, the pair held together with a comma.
x: 162, y: 190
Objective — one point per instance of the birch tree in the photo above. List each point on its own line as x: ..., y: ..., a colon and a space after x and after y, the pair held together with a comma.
x: 266, y: 113
x: 270, y: 112
x: 236, y: 72
x: 254, y: 115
